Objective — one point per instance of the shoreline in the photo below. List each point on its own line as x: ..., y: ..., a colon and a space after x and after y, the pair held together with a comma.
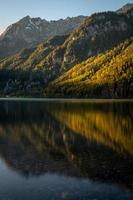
x: 63, y: 99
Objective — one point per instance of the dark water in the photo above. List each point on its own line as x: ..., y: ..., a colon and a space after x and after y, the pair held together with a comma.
x: 66, y: 150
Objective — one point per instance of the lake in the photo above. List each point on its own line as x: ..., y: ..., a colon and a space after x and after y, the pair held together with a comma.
x: 66, y: 149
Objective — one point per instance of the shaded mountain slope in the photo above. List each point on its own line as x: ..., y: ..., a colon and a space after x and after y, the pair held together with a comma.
x: 29, y: 58
x: 29, y: 32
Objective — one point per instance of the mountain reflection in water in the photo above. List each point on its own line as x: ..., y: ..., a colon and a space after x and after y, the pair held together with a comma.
x: 82, y: 140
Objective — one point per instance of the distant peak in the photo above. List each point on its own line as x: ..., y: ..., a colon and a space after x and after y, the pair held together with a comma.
x: 125, y: 8
x: 26, y: 18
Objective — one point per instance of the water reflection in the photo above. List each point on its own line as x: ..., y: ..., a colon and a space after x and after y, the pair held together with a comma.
x: 91, y: 141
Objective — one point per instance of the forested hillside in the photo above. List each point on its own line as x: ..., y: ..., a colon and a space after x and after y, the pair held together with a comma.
x: 107, y: 75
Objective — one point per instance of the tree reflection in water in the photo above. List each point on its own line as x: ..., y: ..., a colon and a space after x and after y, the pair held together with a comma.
x: 76, y: 139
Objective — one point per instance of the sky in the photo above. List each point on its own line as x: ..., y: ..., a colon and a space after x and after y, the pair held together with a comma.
x: 13, y: 10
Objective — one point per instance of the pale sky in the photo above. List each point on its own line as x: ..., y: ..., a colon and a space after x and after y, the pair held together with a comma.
x: 13, y: 10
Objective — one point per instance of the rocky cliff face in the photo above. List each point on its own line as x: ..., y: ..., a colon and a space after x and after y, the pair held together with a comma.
x: 29, y: 32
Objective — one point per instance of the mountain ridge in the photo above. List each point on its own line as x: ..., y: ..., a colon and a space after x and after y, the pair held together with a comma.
x: 29, y: 32
x: 125, y: 8
x: 46, y: 62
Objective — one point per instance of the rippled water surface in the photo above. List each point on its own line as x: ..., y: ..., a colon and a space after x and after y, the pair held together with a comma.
x: 73, y: 150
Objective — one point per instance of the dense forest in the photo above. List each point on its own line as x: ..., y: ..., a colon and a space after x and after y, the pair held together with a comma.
x: 107, y: 75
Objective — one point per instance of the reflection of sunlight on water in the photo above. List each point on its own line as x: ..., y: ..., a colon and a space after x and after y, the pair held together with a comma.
x: 109, y: 128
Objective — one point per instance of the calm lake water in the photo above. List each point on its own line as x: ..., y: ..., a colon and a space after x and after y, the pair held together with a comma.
x: 73, y: 150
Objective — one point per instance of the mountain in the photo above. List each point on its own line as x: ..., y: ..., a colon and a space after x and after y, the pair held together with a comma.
x: 125, y: 8
x: 29, y: 32
x: 108, y: 75
x: 31, y: 71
